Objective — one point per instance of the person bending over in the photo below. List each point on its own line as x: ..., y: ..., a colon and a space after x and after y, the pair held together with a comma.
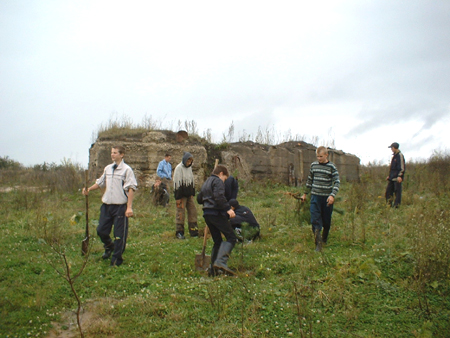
x: 245, y: 223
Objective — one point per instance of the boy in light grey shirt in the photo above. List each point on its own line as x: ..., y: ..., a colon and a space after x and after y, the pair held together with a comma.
x: 120, y: 183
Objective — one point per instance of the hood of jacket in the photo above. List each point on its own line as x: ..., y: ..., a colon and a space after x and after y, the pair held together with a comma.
x: 186, y: 157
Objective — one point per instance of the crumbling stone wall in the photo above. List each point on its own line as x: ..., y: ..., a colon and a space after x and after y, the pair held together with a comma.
x: 144, y: 153
x: 286, y: 163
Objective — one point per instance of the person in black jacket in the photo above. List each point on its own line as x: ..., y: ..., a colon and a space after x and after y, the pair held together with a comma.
x: 231, y: 188
x: 216, y: 212
x: 245, y: 223
x: 396, y: 176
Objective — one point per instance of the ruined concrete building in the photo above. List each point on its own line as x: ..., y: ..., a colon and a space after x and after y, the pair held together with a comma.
x: 286, y: 163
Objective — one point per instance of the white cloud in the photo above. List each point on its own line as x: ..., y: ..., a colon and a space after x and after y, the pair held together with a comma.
x: 361, y: 73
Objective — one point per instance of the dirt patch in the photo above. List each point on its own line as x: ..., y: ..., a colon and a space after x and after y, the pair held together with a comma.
x: 93, y: 322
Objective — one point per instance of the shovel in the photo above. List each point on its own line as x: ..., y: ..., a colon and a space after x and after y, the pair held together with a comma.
x: 202, y: 262
x: 85, y: 242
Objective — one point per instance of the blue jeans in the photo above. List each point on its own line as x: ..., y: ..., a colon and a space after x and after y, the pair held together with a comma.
x: 320, y: 214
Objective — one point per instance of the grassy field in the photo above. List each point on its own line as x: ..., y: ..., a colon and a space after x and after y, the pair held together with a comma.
x: 385, y: 272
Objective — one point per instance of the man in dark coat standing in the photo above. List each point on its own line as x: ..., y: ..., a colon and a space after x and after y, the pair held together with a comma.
x: 396, y: 176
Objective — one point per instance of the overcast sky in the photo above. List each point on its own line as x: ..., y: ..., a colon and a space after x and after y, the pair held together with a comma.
x: 362, y: 74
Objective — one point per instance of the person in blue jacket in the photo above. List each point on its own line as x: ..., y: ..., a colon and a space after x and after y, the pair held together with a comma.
x: 164, y: 171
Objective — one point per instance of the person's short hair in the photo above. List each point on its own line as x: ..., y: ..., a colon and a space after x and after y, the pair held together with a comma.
x: 233, y: 202
x: 220, y: 169
x: 167, y: 155
x: 120, y: 149
x: 322, y: 150
x: 158, y: 179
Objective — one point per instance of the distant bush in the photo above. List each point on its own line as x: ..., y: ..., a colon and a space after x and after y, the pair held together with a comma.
x: 7, y: 163
x: 64, y: 177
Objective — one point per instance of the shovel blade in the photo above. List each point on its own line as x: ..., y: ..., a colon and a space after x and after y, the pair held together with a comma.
x: 85, y: 246
x: 202, y: 262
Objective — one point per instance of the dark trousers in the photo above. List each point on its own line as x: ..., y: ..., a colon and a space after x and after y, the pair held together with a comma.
x: 394, y: 188
x: 219, y: 225
x: 320, y: 214
x: 113, y: 214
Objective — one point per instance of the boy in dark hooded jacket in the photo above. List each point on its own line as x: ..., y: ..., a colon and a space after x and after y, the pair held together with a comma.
x: 184, y: 191
x: 231, y: 188
x: 245, y: 223
x: 216, y: 212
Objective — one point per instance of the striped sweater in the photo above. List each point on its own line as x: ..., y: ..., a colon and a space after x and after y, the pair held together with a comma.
x: 323, y: 179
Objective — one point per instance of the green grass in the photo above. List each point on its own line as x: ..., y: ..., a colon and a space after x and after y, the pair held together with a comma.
x: 385, y: 272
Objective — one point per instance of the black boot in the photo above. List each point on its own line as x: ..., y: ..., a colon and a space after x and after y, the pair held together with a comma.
x: 193, y: 229
x: 222, y: 257
x: 318, y: 240
x: 108, y: 251
x: 211, y: 270
x: 325, y: 235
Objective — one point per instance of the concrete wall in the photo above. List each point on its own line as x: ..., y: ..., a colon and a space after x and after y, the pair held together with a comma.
x: 286, y: 163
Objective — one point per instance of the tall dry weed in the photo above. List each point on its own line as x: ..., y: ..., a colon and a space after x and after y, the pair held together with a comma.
x: 430, y: 238
x: 423, y: 216
x: 46, y: 177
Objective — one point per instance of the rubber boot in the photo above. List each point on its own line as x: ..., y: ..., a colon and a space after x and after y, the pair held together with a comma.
x: 211, y: 270
x: 108, y: 251
x: 193, y: 229
x: 318, y: 240
x: 223, y: 256
x: 325, y: 235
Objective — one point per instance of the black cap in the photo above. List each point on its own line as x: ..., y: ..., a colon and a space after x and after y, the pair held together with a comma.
x: 394, y: 145
x: 234, y: 203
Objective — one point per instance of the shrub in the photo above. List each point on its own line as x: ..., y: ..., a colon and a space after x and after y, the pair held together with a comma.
x: 64, y: 177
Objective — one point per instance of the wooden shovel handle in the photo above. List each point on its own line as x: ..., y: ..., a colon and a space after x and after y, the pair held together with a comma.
x: 205, y: 235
